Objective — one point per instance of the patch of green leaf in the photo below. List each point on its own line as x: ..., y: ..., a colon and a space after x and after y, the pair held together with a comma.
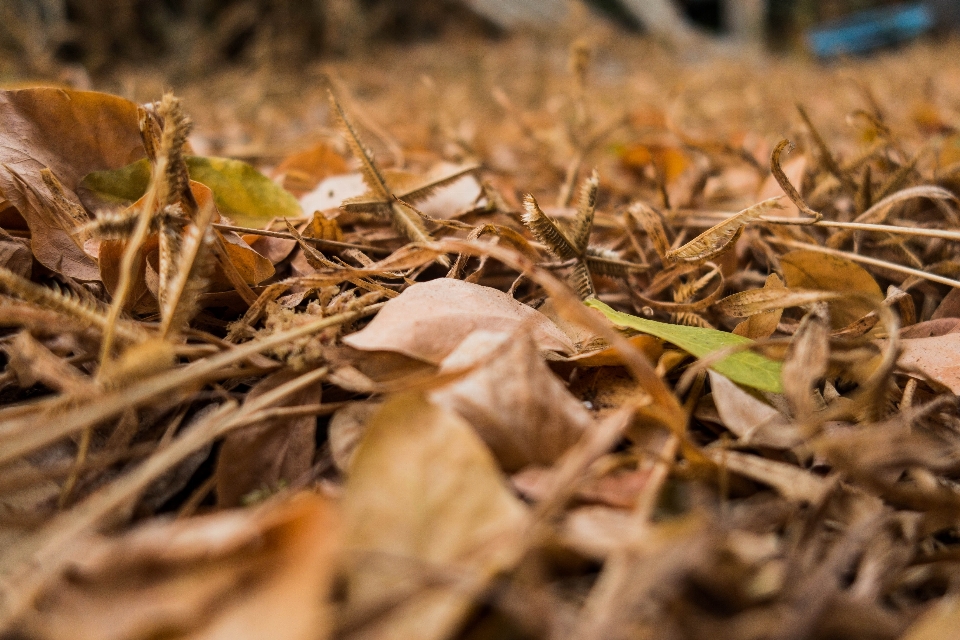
x: 746, y: 367
x: 241, y: 192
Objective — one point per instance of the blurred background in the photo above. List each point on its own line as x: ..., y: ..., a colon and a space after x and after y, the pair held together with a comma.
x: 38, y: 37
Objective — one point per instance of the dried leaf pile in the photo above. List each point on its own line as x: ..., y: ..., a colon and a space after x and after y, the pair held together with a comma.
x: 442, y: 378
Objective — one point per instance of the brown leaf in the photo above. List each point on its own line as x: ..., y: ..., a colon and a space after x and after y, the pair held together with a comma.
x: 515, y: 403
x: 762, y: 325
x: 429, y: 319
x: 252, y: 267
x: 752, y: 420
x: 429, y: 521
x: 302, y: 171
x: 805, y: 269
x: 240, y: 574
x: 15, y: 254
x: 937, y: 357
x: 272, y: 453
x: 72, y: 133
x: 346, y: 430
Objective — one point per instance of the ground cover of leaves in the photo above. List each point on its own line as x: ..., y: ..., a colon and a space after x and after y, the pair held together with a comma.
x: 525, y: 339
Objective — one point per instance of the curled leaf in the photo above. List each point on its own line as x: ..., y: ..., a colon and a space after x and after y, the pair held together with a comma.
x: 717, y: 239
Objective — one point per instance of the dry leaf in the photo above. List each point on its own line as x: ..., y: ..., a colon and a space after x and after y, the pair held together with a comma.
x: 817, y: 271
x: 762, y: 325
x: 71, y: 133
x: 752, y: 420
x: 269, y: 455
x: 429, y: 521
x: 937, y: 357
x: 249, y: 574
x: 515, y: 403
x: 428, y: 320
x: 300, y: 172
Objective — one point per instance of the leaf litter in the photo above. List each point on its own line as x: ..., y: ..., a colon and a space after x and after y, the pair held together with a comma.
x: 301, y: 407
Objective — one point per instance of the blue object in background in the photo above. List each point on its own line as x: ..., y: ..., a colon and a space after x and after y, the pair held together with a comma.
x: 869, y: 30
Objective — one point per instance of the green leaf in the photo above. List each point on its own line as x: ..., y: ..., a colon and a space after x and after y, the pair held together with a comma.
x: 241, y: 192
x: 746, y: 367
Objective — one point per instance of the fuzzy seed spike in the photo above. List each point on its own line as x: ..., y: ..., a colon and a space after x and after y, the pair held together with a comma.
x: 85, y: 310
x: 585, y: 212
x: 546, y: 230
x: 190, y: 273
x: 582, y: 281
x: 371, y: 174
x: 176, y: 180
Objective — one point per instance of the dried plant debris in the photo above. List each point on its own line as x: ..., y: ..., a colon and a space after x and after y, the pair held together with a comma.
x: 660, y: 409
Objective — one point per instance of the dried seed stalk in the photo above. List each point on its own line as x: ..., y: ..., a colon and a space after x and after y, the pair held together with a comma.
x: 750, y: 303
x: 84, y: 310
x: 189, y: 274
x: 546, y: 230
x: 371, y: 174
x: 586, y: 208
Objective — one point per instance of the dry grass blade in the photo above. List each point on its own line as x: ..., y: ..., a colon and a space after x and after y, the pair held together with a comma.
x: 717, y: 239
x: 24, y: 435
x: 793, y: 483
x: 604, y: 262
x: 546, y: 230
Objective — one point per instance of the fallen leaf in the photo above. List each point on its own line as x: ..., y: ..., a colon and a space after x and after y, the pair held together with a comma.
x: 745, y: 367
x: 236, y: 574
x: 71, y: 133
x: 269, y: 455
x: 752, y: 420
x: 429, y: 319
x: 762, y: 325
x: 429, y: 521
x: 15, y: 254
x: 346, y: 430
x: 302, y: 171
x: 514, y: 402
x: 242, y: 193
x: 333, y: 191
x: 937, y: 357
x: 817, y: 271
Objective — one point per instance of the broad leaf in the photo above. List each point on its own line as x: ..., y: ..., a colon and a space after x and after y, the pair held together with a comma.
x: 71, y: 133
x: 241, y: 192
x: 746, y: 368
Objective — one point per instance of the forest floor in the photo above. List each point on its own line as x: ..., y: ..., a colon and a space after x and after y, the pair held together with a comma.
x: 559, y: 337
